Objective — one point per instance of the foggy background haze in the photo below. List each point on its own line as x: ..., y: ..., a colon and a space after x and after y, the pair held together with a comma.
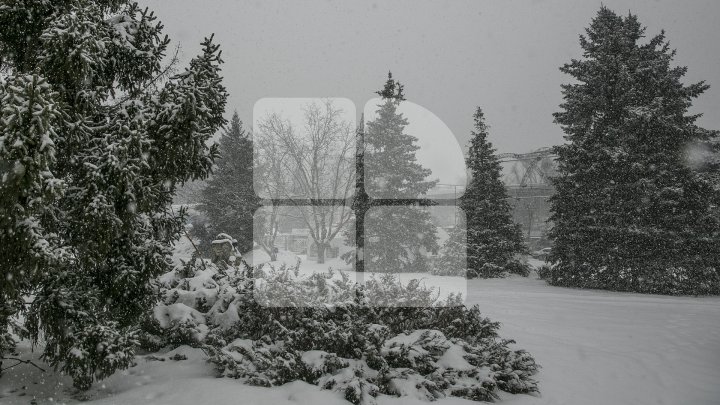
x: 451, y: 55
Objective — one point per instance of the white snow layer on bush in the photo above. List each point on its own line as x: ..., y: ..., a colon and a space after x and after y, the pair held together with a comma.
x: 333, y: 334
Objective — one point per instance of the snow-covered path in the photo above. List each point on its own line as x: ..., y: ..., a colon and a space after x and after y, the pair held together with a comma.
x: 595, y: 347
x: 599, y: 347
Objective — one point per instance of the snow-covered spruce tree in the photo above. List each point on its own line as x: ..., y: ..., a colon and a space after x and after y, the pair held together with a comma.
x: 29, y: 114
x: 93, y: 139
x: 710, y: 167
x: 628, y: 213
x: 355, y: 230
x: 229, y: 199
x: 394, y: 235
x: 493, y: 240
x: 453, y: 259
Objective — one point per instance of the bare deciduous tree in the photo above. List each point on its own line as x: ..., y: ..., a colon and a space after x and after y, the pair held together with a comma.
x: 304, y: 166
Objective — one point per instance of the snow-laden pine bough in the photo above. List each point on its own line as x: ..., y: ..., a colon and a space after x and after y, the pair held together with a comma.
x: 268, y: 326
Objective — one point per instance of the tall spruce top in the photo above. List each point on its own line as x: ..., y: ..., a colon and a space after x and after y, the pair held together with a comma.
x: 392, y: 90
x: 620, y: 79
x: 481, y: 160
x: 391, y: 167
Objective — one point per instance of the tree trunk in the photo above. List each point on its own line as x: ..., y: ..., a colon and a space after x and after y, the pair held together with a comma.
x: 530, y: 224
x: 271, y: 251
x: 321, y: 252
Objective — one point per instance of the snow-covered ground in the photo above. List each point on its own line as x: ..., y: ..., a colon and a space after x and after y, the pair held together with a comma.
x: 595, y: 347
x: 599, y: 347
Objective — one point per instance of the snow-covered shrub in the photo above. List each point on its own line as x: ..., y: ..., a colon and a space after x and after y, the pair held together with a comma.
x: 448, y: 266
x: 96, y: 351
x: 544, y: 272
x: 268, y: 326
x: 517, y: 267
x: 651, y: 277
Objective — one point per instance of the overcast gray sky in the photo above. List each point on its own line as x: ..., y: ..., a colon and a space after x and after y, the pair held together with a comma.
x: 451, y: 55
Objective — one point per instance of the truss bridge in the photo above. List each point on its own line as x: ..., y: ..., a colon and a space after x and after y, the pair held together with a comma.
x: 527, y: 177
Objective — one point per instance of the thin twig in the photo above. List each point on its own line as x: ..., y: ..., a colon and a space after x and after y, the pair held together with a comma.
x: 191, y: 241
x: 163, y: 74
x: 20, y: 361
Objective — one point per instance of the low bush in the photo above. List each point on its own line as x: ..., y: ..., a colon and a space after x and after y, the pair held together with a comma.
x: 650, y: 277
x: 268, y: 326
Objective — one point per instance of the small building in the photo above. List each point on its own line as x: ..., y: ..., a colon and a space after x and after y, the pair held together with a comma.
x: 295, y: 241
x: 300, y: 242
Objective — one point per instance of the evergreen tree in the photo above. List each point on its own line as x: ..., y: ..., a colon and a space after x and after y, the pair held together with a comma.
x: 395, y: 236
x: 493, y: 239
x: 453, y: 253
x: 30, y: 112
x: 710, y: 168
x: 355, y: 230
x: 94, y: 137
x: 628, y: 213
x: 229, y: 198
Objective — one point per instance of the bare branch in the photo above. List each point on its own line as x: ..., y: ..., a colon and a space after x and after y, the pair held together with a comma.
x: 314, y: 162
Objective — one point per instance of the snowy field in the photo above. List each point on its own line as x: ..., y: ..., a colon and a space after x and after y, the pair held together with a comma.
x: 607, y: 348
x: 595, y: 348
